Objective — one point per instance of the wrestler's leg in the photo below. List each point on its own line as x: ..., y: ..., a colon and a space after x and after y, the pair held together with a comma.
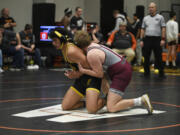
x: 115, y: 102
x: 72, y: 100
x: 105, y: 85
x: 93, y: 102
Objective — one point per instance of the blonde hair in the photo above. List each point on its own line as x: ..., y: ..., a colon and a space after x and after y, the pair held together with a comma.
x: 82, y: 39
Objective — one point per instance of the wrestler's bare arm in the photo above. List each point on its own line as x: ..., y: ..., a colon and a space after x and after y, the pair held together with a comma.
x: 76, y: 55
x: 95, y: 63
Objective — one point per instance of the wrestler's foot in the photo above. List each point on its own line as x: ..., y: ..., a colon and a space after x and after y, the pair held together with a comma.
x: 147, y: 103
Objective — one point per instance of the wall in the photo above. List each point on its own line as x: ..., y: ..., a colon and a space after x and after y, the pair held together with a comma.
x: 92, y: 11
x: 20, y: 10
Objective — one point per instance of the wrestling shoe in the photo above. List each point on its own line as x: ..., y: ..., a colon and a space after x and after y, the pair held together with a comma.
x: 147, y: 103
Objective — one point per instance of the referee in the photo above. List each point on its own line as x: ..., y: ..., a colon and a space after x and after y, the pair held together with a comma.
x: 153, y: 38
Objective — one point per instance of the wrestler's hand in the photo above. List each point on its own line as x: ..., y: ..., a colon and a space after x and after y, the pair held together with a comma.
x: 81, y: 69
x: 72, y: 74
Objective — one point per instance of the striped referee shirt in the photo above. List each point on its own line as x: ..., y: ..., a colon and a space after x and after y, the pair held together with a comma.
x: 153, y: 25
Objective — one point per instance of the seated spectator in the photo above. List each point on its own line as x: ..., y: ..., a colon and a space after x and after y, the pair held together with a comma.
x: 95, y: 34
x: 123, y: 42
x: 11, y: 46
x: 28, y: 44
x: 7, y: 21
x: 65, y: 21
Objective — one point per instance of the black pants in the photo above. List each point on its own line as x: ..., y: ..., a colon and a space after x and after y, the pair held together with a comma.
x: 152, y: 44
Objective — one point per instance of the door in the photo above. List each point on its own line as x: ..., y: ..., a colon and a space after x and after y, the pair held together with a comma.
x: 107, y: 20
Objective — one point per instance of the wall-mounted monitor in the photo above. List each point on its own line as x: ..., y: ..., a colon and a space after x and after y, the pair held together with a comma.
x: 44, y: 31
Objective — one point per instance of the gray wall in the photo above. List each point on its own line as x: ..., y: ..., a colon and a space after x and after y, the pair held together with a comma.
x: 92, y: 11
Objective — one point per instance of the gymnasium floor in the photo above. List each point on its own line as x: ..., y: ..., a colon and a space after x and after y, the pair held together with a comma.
x: 30, y: 105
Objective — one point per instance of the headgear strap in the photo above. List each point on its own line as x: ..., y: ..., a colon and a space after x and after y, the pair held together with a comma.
x: 58, y: 34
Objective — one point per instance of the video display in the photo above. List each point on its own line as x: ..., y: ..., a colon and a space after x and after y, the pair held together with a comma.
x: 44, y: 31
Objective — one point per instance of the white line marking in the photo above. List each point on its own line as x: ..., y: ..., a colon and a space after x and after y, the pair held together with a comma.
x: 80, y: 114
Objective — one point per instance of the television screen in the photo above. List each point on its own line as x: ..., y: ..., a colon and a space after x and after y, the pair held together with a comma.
x: 44, y: 31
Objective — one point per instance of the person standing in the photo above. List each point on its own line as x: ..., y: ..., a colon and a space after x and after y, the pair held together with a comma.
x: 136, y: 26
x: 77, y: 19
x: 119, y: 19
x: 153, y: 38
x: 172, y: 38
x: 7, y: 21
x: 65, y: 21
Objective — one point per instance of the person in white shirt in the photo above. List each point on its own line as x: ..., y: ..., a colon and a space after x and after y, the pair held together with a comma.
x: 172, y: 38
x: 119, y: 19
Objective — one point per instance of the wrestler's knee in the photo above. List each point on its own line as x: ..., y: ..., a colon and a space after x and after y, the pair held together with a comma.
x: 91, y: 109
x: 111, y: 106
x: 65, y: 106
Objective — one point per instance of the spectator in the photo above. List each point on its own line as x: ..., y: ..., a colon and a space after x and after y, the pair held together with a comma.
x: 119, y: 19
x: 73, y: 29
x: 1, y: 57
x: 11, y: 46
x: 28, y: 44
x: 136, y: 26
x: 123, y: 42
x: 129, y: 22
x: 95, y: 34
x: 77, y: 20
x: 153, y: 29
x: 172, y: 38
x: 65, y: 21
x: 7, y: 21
